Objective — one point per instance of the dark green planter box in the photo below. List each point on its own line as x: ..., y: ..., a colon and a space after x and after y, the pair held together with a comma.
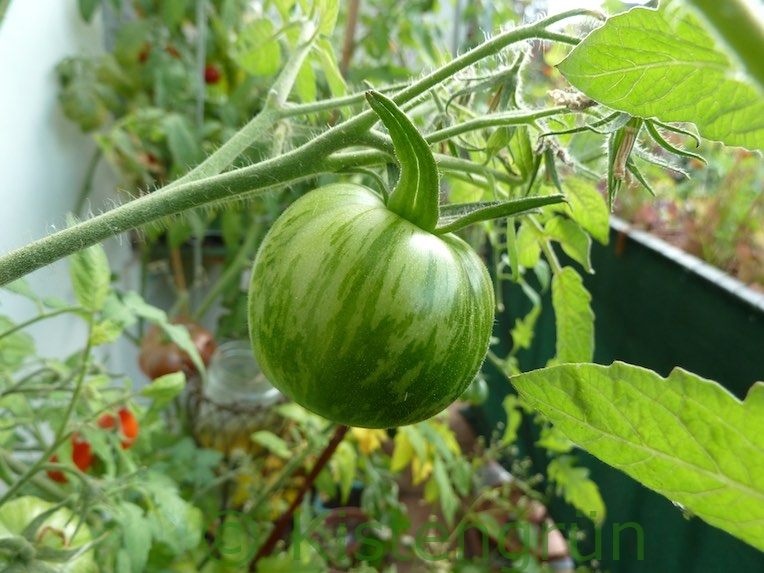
x: 656, y: 307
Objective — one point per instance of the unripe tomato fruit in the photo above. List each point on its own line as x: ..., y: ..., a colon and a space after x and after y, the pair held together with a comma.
x: 477, y: 392
x: 363, y: 317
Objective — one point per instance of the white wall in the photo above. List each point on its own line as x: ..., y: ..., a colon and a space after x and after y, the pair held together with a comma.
x: 43, y: 156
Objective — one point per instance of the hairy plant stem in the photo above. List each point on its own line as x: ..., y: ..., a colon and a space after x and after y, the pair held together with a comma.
x: 203, y: 185
x: 494, y: 120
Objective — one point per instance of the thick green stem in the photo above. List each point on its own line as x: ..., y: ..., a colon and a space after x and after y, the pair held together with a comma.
x: 271, y: 113
x: 195, y: 189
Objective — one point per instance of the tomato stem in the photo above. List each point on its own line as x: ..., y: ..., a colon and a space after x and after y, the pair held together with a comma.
x: 203, y: 186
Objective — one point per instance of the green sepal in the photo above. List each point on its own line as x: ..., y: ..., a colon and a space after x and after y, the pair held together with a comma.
x: 457, y: 216
x: 665, y: 144
x: 415, y: 196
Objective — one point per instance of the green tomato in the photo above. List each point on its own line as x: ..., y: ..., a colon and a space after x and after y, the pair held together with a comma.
x: 477, y: 392
x: 45, y: 548
x: 363, y: 317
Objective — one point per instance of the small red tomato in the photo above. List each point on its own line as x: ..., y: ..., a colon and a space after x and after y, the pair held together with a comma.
x: 107, y: 422
x: 211, y: 74
x: 82, y: 455
x: 56, y: 475
x: 128, y: 425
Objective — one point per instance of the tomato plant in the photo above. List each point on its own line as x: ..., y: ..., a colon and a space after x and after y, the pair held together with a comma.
x: 357, y: 309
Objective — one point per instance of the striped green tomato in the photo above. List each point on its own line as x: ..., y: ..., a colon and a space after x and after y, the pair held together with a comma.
x: 363, y: 317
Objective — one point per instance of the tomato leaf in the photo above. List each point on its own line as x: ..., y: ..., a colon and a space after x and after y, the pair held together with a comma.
x: 514, y: 418
x: 183, y: 142
x: 136, y: 535
x: 403, y: 452
x: 22, y: 287
x: 305, y: 84
x: 573, y: 239
x: 343, y: 465
x: 164, y: 389
x: 330, y: 68
x: 273, y: 443
x: 575, y: 319
x: 257, y: 48
x: 89, y: 270
x: 578, y: 490
x: 663, y: 63
x: 449, y: 503
x: 14, y: 347
x: 88, y: 8
x: 527, y: 245
x: 172, y: 13
x: 683, y: 436
x: 328, y: 11
x: 588, y: 208
x: 456, y: 216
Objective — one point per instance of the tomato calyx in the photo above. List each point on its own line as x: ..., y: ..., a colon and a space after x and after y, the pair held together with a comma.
x: 415, y: 196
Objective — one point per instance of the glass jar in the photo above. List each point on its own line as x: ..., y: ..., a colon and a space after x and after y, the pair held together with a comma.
x: 236, y: 400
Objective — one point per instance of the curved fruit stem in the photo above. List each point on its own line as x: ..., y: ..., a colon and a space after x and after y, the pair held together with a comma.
x: 415, y: 196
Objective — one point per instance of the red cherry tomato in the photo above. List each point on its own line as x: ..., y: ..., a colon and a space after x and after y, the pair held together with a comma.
x: 82, y: 454
x: 82, y: 457
x: 107, y: 422
x: 211, y: 74
x: 128, y: 425
x: 56, y: 475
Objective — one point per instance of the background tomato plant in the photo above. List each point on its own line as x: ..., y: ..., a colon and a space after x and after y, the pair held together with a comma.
x: 497, y: 134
